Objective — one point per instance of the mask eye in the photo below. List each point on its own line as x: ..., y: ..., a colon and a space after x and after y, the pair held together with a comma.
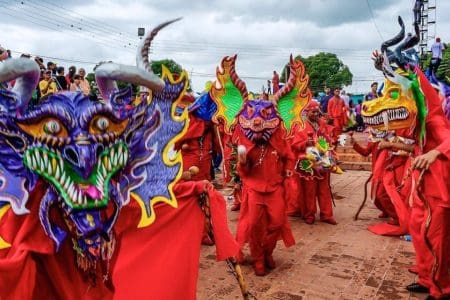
x: 52, y: 127
x: 250, y: 111
x: 102, y: 123
x: 264, y: 113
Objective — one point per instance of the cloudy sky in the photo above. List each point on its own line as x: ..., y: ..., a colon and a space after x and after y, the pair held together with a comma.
x: 263, y: 33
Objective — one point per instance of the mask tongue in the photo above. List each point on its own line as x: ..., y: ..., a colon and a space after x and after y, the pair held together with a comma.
x: 93, y: 192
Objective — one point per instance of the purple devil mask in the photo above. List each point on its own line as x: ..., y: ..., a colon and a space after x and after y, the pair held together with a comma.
x: 259, y: 119
x: 91, y: 155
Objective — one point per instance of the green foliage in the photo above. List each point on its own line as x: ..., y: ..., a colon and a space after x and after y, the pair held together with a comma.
x: 324, y: 69
x: 443, y: 72
x: 168, y: 63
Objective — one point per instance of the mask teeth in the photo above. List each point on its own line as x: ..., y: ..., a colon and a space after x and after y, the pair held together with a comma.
x: 385, y: 120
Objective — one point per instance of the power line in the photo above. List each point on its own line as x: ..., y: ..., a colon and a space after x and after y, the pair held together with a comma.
x: 373, y: 20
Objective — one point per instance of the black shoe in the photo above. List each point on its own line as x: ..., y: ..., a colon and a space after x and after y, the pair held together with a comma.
x: 417, y: 288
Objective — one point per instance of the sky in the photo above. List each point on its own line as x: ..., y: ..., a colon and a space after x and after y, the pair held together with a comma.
x: 262, y: 33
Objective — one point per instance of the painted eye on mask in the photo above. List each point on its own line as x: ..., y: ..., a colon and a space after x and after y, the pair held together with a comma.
x: 52, y: 127
x: 45, y: 127
x: 101, y: 124
x: 394, y: 95
x: 250, y: 111
x: 265, y: 112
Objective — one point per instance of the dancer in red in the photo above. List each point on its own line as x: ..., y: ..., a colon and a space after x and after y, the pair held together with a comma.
x: 410, y: 102
x: 337, y: 111
x: 264, y: 157
x: 315, y: 183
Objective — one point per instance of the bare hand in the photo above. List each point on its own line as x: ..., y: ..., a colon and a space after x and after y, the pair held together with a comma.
x: 289, y: 173
x: 425, y: 160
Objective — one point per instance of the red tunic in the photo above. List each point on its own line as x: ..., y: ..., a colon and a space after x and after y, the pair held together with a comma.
x: 315, y: 189
x: 262, y: 218
x: 430, y: 216
x: 336, y: 109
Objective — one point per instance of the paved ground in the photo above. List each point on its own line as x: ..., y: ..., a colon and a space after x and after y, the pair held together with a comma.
x: 328, y: 262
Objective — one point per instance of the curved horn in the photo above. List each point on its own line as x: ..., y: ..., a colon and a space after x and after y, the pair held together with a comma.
x: 26, y: 73
x: 107, y: 73
x: 396, y: 39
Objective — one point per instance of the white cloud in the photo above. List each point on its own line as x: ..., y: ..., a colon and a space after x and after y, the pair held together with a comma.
x: 262, y: 33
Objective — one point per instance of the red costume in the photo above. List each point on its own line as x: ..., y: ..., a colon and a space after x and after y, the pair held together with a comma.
x: 147, y: 260
x: 197, y: 147
x: 337, y: 111
x: 275, y: 82
x: 430, y: 216
x: 262, y: 219
x: 315, y: 188
x: 391, y: 186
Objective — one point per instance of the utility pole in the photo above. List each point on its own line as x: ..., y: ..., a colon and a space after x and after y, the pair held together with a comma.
x: 427, y: 25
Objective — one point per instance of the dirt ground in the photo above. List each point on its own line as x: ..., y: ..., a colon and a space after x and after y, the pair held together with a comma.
x: 345, y: 261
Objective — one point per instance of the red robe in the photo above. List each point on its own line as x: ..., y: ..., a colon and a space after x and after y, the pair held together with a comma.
x: 337, y: 111
x: 430, y: 216
x: 159, y: 261
x: 390, y: 188
x: 314, y: 188
x: 262, y: 218
x: 197, y: 147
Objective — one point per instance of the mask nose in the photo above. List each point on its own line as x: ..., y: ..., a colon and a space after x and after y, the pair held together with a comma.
x: 82, y: 157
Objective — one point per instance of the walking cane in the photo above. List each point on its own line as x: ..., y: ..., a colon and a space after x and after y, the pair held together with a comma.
x: 366, y: 184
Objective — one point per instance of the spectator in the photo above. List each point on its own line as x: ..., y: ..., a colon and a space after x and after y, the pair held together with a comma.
x: 338, y: 112
x: 373, y: 94
x: 359, y: 120
x: 47, y: 86
x: 324, y: 100
x: 275, y: 82
x: 52, y: 67
x: 269, y: 91
x: 40, y: 62
x: 345, y: 97
x: 76, y: 85
x: 83, y: 82
x: 71, y: 74
x: 61, y: 82
x: 436, y: 55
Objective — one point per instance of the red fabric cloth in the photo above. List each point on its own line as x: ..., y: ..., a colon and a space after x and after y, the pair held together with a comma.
x: 275, y: 83
x: 196, y: 147
x: 146, y: 263
x: 262, y: 217
x: 336, y: 109
x: 314, y: 188
x: 431, y: 241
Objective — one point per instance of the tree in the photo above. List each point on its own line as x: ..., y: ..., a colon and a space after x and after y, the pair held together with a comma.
x: 443, y: 72
x: 324, y: 69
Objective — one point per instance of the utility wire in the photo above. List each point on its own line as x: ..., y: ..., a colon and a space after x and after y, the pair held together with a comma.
x: 373, y: 20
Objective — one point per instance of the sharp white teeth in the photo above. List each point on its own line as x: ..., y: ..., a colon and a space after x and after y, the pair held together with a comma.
x: 67, y: 184
x: 385, y: 118
x: 71, y: 191
x: 49, y: 169
x: 84, y: 200
x: 108, y: 166
x: 61, y: 163
x: 33, y: 162
x: 104, y: 172
x: 63, y: 178
x: 112, y: 156
x: 80, y: 197
x: 57, y: 173
x: 28, y: 157
x: 45, y: 155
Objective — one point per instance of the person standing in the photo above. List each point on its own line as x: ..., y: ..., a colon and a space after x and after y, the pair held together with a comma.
x: 373, y: 94
x: 275, y: 82
x: 324, y: 100
x: 316, y: 187
x: 61, y: 79
x: 47, y: 86
x: 436, y: 55
x: 337, y: 111
x: 85, y: 87
x: 269, y: 91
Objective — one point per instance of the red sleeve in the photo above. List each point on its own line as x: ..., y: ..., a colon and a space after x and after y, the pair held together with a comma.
x: 365, y: 151
x: 438, y: 129
x: 330, y: 107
